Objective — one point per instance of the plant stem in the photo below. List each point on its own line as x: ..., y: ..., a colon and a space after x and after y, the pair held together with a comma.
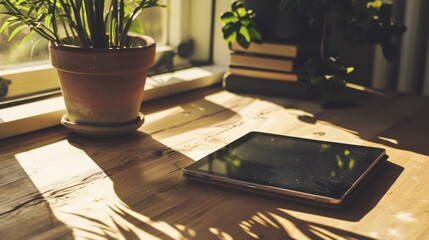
x: 323, y: 40
x: 115, y: 22
x: 81, y: 32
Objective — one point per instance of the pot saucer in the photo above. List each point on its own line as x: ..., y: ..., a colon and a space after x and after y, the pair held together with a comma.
x: 102, y: 131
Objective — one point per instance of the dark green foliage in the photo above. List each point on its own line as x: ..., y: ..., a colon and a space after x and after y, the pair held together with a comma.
x: 328, y: 73
x: 351, y: 21
x: 239, y: 26
x: 84, y: 23
x: 383, y: 29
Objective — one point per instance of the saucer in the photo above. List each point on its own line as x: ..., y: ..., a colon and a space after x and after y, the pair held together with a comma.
x: 103, y: 130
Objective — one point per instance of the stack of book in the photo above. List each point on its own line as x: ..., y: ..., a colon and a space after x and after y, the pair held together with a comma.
x: 268, y: 69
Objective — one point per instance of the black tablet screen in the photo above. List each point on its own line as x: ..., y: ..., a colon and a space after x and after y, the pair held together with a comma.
x: 320, y: 168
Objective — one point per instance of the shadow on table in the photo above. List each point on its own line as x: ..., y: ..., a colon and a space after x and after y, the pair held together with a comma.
x: 157, y: 200
x: 25, y: 211
x: 400, y: 119
x: 191, y: 116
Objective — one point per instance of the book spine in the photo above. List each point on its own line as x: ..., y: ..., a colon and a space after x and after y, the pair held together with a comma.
x: 264, y: 74
x: 262, y: 62
x: 250, y: 85
x: 282, y: 50
x: 303, y: 50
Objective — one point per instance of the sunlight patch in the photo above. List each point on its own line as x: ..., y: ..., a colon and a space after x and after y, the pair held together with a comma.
x: 406, y: 217
x: 83, y: 197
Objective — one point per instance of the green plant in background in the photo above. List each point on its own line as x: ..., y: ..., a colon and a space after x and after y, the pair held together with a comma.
x: 239, y: 26
x: 83, y: 23
x: 328, y: 71
x: 372, y: 25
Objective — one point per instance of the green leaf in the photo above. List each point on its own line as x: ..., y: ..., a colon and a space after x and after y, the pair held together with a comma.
x: 243, y: 31
x: 27, y: 37
x: 329, y: 77
x: 236, y: 6
x: 255, y: 35
x: 228, y: 17
x: 241, y: 12
x: 47, y: 19
x: 136, y: 27
x: 5, y: 26
x: 16, y: 31
x: 374, y: 4
x: 228, y: 30
x: 113, y: 33
x: 242, y: 41
x: 231, y: 37
x: 246, y: 21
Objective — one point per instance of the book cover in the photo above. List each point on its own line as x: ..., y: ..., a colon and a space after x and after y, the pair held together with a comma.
x: 263, y: 74
x: 262, y: 62
x: 290, y: 50
x: 250, y: 85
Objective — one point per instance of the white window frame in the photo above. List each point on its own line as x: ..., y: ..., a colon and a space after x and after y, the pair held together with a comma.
x: 41, y: 114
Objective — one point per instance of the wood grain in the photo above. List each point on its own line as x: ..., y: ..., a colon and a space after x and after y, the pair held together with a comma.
x: 55, y: 185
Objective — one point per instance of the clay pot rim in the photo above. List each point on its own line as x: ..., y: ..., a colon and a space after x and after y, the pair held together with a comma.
x: 150, y: 43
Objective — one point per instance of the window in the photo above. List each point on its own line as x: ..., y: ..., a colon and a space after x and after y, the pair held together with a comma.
x: 183, y: 32
x: 25, y: 66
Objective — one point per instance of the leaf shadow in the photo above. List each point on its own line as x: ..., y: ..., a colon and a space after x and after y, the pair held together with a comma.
x: 147, y: 178
x: 399, y: 125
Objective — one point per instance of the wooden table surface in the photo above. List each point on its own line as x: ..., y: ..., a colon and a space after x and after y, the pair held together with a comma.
x: 56, y: 185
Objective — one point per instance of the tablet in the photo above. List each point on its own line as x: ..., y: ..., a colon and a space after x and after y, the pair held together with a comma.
x: 318, y: 171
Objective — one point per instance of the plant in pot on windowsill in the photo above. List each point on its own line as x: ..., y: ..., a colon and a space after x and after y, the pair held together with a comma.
x: 102, y: 64
x: 301, y: 20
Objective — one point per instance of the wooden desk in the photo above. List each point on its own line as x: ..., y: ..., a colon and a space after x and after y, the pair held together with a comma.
x: 56, y: 185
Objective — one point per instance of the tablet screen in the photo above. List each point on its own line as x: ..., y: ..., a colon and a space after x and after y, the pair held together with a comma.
x: 314, y: 167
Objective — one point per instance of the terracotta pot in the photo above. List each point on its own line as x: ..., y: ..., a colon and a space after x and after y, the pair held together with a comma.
x: 103, y: 87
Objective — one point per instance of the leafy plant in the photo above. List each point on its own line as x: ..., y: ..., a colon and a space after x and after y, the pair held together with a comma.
x: 358, y: 26
x: 239, y: 25
x: 83, y: 23
x: 328, y: 70
x: 383, y: 29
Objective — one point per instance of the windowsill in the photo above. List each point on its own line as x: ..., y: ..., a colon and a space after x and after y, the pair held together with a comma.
x: 41, y: 114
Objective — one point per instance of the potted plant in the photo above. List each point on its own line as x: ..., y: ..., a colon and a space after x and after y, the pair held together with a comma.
x: 102, y: 64
x: 360, y: 23
x: 248, y: 20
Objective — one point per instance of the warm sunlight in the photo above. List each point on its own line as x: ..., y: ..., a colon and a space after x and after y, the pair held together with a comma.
x: 406, y: 217
x: 87, y: 204
x: 391, y: 140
